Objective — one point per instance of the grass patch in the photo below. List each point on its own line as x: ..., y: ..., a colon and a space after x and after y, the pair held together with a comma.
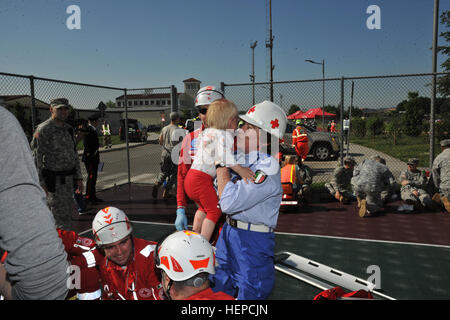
x: 405, y: 147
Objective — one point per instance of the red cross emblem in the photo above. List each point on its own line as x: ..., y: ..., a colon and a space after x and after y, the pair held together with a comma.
x: 274, y: 123
x: 252, y: 109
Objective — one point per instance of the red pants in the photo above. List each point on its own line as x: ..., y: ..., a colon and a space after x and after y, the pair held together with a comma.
x: 199, y: 188
x: 302, y: 149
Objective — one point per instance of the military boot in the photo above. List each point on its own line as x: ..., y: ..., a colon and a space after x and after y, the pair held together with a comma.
x: 446, y: 203
x: 362, y: 208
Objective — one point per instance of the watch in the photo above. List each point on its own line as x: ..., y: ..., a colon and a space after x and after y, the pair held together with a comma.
x: 220, y: 165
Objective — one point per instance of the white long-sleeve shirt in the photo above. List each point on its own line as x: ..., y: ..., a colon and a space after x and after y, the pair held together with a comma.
x: 214, y: 145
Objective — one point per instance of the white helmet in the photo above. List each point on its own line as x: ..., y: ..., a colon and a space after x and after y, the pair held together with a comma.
x: 267, y: 116
x: 208, y: 94
x: 110, y: 225
x: 184, y: 254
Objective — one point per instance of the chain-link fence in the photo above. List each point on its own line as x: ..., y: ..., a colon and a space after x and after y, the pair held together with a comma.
x: 387, y: 116
x: 135, y: 116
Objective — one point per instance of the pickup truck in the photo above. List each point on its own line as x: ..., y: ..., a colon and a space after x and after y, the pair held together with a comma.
x: 322, y: 145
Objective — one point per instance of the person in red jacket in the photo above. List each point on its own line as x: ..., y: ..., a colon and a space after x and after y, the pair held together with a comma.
x: 204, y: 98
x: 186, y: 260
x: 84, y: 283
x: 128, y: 269
x: 82, y: 253
x: 300, y: 141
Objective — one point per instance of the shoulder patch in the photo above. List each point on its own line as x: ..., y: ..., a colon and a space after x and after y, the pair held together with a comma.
x: 260, y: 177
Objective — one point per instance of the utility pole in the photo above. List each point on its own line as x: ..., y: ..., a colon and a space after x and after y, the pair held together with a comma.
x: 433, y: 79
x: 269, y: 44
x: 252, y: 76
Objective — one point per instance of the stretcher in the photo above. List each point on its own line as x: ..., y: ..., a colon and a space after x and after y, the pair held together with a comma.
x: 322, y: 276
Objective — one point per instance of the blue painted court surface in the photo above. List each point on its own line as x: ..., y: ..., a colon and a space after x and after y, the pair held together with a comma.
x: 408, y: 271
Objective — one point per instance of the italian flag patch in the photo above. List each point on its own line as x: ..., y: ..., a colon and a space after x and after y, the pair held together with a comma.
x: 260, y: 177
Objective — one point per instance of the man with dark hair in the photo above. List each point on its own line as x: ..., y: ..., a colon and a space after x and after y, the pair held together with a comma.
x: 91, y: 159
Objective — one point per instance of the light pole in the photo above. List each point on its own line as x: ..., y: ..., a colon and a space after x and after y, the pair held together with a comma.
x: 252, y: 76
x: 323, y: 88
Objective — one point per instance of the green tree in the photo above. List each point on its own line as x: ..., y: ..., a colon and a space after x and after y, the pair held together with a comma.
x: 358, y: 127
x: 375, y: 126
x: 110, y: 104
x: 293, y: 108
x: 413, y: 116
x: 443, y: 83
x: 394, y: 129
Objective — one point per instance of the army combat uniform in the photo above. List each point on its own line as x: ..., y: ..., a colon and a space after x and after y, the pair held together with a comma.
x: 441, y: 173
x: 341, y: 182
x: 369, y: 180
x: 58, y: 166
x: 417, y: 182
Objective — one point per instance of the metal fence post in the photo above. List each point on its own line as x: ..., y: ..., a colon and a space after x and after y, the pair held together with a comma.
x: 174, y: 98
x: 342, y: 122
x: 433, y: 80
x: 126, y: 141
x: 33, y: 105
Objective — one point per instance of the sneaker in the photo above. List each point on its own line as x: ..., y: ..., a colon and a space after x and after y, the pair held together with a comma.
x: 362, y: 208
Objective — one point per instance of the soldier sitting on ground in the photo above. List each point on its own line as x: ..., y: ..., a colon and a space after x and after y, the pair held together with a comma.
x: 340, y: 186
x: 413, y: 184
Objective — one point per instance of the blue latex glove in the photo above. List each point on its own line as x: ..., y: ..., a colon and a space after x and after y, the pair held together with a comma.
x: 181, y: 221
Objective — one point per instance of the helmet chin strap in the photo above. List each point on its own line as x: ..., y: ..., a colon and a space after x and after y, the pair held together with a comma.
x: 167, y: 291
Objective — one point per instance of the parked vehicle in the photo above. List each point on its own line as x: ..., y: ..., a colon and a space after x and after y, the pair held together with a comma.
x: 322, y: 145
x: 192, y: 124
x: 136, y: 131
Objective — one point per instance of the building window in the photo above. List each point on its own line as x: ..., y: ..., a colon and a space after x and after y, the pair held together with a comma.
x: 141, y: 103
x: 168, y: 102
x: 119, y: 104
x: 146, y: 102
x: 135, y: 102
x: 157, y: 102
x: 163, y: 102
x: 152, y: 102
x: 129, y: 103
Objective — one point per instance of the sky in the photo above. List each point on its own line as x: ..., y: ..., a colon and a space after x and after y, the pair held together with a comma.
x: 154, y: 43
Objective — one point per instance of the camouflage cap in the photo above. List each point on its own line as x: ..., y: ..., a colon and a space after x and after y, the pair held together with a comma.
x: 445, y: 143
x: 59, y: 102
x: 413, y: 161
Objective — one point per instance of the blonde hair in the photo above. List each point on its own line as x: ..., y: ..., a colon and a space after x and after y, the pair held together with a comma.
x: 219, y: 114
x: 290, y: 159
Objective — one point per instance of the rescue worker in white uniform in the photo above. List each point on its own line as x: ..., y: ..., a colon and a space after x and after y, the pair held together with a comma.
x: 245, y: 249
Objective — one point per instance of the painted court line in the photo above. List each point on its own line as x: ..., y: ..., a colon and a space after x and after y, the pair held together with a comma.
x: 311, y: 235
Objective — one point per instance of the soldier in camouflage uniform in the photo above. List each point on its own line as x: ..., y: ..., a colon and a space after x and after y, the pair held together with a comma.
x: 369, y: 180
x: 441, y: 173
x: 57, y: 163
x: 339, y: 186
x: 413, y: 184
